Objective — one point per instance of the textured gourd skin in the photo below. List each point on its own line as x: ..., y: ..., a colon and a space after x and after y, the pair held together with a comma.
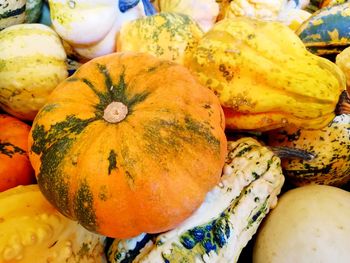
x: 32, y: 62
x: 32, y: 230
x: 204, y: 12
x: 228, y: 218
x: 266, y: 80
x: 330, y: 145
x: 15, y: 168
x: 146, y: 173
x: 327, y: 30
x: 165, y: 35
x: 12, y: 12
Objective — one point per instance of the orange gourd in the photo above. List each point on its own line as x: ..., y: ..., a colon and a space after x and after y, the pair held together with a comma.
x: 15, y: 168
x: 128, y: 144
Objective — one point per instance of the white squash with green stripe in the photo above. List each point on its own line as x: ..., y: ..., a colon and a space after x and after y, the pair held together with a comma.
x: 217, y: 232
x: 12, y: 12
x: 32, y: 63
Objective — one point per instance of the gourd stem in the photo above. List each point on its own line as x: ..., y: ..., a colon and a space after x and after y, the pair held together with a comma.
x: 343, y: 106
x: 115, y: 112
x: 288, y: 152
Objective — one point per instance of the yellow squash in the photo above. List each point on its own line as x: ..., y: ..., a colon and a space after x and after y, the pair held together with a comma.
x: 264, y: 76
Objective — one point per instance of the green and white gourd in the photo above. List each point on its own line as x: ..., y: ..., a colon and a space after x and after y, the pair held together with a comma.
x: 33, y: 10
x: 12, y: 12
x: 229, y: 217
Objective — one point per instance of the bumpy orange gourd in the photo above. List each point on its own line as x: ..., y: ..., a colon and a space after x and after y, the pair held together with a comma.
x: 128, y: 144
x: 15, y: 168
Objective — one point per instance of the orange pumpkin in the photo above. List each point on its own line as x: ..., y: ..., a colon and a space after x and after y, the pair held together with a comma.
x: 128, y: 144
x: 15, y: 168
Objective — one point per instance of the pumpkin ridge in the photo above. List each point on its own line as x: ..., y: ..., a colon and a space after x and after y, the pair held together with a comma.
x: 10, y: 149
x: 83, y: 206
x: 53, y: 147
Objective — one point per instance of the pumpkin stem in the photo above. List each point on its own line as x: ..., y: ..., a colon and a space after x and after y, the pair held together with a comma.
x: 288, y: 152
x: 115, y: 112
x: 343, y: 106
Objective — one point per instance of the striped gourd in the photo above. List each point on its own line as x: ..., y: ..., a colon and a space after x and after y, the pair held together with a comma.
x: 32, y: 63
x: 12, y: 12
x: 327, y: 32
x: 226, y: 221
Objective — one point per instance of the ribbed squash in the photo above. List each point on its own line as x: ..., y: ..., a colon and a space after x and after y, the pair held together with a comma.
x: 229, y: 217
x: 12, y: 12
x: 265, y: 79
x: 165, y: 35
x: 32, y: 230
x: 327, y: 32
x: 330, y: 146
x: 32, y: 63
x: 15, y: 168
x: 128, y: 144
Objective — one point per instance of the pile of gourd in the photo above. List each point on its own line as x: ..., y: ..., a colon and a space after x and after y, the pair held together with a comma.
x: 174, y: 131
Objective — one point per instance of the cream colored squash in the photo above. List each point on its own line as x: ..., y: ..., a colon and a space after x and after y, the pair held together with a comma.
x: 32, y: 63
x: 309, y: 224
x: 108, y: 43
x: 83, y: 21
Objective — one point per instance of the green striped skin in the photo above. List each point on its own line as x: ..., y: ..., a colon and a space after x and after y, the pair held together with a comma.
x: 33, y: 10
x: 32, y: 63
x: 226, y: 221
x: 105, y: 174
x: 327, y: 30
x: 12, y: 12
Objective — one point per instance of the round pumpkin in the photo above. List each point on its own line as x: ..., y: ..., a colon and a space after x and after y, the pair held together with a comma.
x: 32, y: 64
x: 128, y: 144
x: 15, y: 168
